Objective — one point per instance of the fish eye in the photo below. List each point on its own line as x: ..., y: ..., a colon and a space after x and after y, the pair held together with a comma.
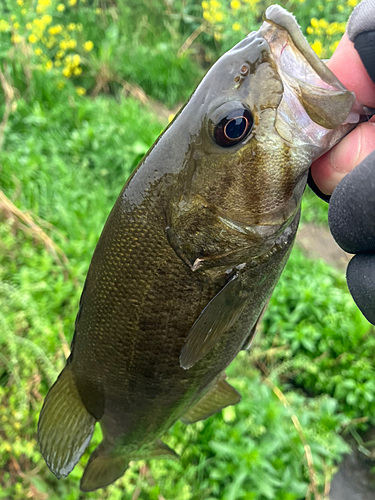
x: 232, y: 126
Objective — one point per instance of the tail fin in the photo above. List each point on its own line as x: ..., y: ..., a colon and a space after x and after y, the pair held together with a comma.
x: 103, y: 468
x: 65, y: 427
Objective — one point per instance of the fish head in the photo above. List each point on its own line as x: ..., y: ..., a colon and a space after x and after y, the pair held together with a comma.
x: 263, y: 113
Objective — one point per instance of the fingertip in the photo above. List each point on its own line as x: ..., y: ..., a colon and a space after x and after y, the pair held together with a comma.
x: 356, y: 79
x: 321, y: 172
x: 332, y: 167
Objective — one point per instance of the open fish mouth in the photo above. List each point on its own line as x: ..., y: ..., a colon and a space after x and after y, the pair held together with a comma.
x: 314, y: 100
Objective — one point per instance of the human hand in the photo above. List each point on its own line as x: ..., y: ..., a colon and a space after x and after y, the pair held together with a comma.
x: 352, y: 205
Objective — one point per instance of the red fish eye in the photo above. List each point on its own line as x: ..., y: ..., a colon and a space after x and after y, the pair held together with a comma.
x: 233, y: 127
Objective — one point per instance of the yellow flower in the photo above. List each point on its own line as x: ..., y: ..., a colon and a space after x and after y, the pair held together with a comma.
x: 323, y: 23
x: 219, y: 17
x: 16, y: 26
x: 76, y: 60
x: 336, y: 28
x: 4, y: 25
x: 32, y: 38
x: 63, y: 45
x: 24, y: 12
x: 80, y: 91
x: 215, y: 4
x: 71, y: 44
x: 205, y: 5
x: 207, y: 16
x: 60, y: 7
x: 314, y: 22
x: 235, y: 4
x: 49, y: 65
x: 67, y: 72
x: 88, y: 45
x: 46, y: 19
x: 98, y: 11
x: 20, y: 2
x: 309, y: 30
x: 72, y: 2
x: 217, y: 36
x: 71, y: 26
x: 340, y: 8
x: 43, y: 5
x: 29, y: 26
x: 55, y: 30
x: 236, y: 27
x: 352, y: 3
x: 317, y: 47
x: 77, y: 71
x: 58, y: 63
x: 13, y: 17
x: 60, y: 54
x: 38, y: 51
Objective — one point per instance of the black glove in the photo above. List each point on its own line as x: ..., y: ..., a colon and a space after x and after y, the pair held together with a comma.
x: 351, y: 218
x: 351, y: 213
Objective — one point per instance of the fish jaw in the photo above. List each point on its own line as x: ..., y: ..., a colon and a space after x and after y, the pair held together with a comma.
x: 316, y: 110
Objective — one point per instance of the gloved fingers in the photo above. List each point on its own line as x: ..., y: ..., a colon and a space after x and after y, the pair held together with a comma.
x: 361, y: 31
x: 360, y: 276
x: 351, y: 214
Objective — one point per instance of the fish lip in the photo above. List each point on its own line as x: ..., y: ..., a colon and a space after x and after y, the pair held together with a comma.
x: 278, y: 17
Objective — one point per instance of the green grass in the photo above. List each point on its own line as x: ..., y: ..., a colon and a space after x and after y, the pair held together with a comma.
x: 64, y: 160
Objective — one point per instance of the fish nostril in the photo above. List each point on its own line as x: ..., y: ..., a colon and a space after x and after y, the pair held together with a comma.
x: 244, y: 70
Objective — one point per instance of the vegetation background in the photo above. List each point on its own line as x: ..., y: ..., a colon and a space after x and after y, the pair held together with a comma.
x: 86, y: 87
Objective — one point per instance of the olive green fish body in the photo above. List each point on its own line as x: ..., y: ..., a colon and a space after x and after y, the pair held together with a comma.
x: 191, y: 252
x: 133, y: 271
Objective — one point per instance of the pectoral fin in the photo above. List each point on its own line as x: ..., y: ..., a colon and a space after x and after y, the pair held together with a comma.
x: 215, y: 319
x: 65, y: 426
x: 221, y: 395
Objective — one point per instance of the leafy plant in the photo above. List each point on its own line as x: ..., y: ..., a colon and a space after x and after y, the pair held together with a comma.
x: 63, y: 160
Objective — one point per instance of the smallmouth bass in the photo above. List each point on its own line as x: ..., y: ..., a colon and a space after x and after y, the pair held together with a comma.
x: 191, y: 252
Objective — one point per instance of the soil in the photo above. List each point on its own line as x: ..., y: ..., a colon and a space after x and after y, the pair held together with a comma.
x: 317, y: 243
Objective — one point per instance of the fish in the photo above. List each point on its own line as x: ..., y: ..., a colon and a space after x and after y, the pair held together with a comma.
x: 191, y: 253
